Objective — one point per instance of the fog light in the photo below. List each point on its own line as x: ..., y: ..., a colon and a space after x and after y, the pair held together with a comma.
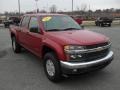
x: 79, y: 56
x: 74, y: 70
x: 73, y: 56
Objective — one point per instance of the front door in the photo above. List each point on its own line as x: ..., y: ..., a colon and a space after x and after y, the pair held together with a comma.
x: 34, y: 38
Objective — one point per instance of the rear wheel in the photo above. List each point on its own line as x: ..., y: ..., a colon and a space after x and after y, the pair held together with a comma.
x: 15, y: 46
x: 52, y: 67
x: 96, y: 23
x: 109, y: 25
x: 101, y: 24
x: 6, y: 26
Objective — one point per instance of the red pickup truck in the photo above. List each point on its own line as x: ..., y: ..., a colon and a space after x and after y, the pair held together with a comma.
x: 63, y: 45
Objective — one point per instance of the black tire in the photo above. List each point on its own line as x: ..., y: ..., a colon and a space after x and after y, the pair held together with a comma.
x: 101, y: 24
x: 96, y: 24
x: 6, y: 26
x: 15, y: 46
x: 51, y: 57
x: 109, y: 25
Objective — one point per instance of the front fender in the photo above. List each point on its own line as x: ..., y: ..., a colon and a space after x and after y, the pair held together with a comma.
x: 59, y: 50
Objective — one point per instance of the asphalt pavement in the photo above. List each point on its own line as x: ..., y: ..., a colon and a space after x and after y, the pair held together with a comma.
x: 24, y: 71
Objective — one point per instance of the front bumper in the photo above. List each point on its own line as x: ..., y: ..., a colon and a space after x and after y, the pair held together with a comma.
x: 73, y: 67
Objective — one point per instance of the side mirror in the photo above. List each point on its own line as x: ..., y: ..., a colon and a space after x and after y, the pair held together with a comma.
x: 17, y: 24
x: 34, y: 29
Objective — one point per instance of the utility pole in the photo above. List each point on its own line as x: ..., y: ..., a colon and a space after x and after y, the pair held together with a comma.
x: 37, y: 9
x: 19, y: 7
x: 72, y: 6
x: 89, y: 11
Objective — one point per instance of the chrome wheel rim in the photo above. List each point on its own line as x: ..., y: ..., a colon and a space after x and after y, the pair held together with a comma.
x: 50, y: 68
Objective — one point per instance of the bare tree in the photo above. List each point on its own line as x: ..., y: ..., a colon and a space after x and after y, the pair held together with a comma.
x: 83, y: 7
x: 43, y: 11
x: 53, y: 9
x: 78, y: 9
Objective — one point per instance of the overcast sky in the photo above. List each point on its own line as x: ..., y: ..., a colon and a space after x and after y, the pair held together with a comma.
x: 29, y: 5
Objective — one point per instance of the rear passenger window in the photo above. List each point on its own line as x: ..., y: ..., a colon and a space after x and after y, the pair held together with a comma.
x: 25, y: 21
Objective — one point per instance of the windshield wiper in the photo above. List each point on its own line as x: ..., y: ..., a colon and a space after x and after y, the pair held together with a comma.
x: 54, y: 30
x: 71, y: 29
x: 63, y: 29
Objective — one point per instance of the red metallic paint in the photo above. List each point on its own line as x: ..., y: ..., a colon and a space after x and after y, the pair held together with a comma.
x: 55, y: 40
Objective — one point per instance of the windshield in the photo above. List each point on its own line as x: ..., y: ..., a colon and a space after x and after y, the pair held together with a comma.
x: 59, y: 23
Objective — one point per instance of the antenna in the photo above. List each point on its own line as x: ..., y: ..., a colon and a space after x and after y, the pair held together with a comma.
x: 19, y: 7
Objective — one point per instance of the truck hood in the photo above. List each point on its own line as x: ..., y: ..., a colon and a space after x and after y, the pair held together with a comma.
x: 75, y: 37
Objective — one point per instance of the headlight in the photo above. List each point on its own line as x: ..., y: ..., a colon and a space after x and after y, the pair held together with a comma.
x: 72, y: 49
x: 73, y: 52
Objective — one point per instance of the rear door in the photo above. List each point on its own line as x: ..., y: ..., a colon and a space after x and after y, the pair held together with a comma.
x: 24, y: 30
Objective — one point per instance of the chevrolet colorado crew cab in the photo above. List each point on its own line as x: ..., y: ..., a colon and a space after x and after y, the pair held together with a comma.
x: 63, y: 45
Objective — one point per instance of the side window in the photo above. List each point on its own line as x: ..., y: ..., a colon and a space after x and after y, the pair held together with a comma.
x: 25, y: 21
x: 33, y: 25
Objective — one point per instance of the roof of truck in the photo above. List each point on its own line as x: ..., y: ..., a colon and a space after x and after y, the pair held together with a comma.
x: 44, y: 14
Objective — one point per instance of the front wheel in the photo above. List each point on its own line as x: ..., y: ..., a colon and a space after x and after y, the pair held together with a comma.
x: 52, y: 67
x: 15, y: 46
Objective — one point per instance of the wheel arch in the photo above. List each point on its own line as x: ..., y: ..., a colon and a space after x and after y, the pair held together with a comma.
x: 46, y: 49
x: 12, y: 34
